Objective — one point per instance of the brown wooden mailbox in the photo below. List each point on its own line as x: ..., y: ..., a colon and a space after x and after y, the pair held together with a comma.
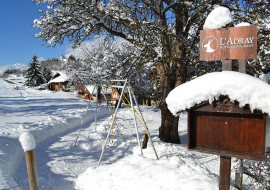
x: 223, y: 128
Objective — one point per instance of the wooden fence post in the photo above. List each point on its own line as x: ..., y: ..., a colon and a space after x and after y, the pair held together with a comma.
x: 32, y: 170
x: 28, y: 144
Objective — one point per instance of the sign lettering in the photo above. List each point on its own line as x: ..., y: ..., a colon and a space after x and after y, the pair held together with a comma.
x: 229, y: 43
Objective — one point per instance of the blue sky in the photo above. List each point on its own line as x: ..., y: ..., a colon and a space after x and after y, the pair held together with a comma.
x: 17, y: 44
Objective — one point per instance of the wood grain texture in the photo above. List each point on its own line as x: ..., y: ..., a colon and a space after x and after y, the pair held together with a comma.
x: 227, y: 130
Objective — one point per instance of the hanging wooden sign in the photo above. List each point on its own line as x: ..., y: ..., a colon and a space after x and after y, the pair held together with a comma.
x: 228, y: 43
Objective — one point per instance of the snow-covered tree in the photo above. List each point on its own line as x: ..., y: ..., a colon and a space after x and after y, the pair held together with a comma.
x: 33, y: 74
x: 247, y: 11
x: 7, y: 73
x: 257, y: 13
x: 108, y: 58
x: 164, y: 31
x: 145, y: 24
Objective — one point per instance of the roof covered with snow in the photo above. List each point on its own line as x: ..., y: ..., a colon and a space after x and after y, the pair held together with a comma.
x: 90, y: 89
x: 238, y: 86
x: 105, y: 90
x: 218, y: 18
x: 62, y: 78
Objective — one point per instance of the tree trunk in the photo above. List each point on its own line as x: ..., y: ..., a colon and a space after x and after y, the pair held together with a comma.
x: 169, y: 127
x: 168, y: 131
x: 99, y: 93
x: 172, y: 73
x: 149, y: 101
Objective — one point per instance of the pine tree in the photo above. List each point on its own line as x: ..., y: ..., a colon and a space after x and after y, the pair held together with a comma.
x: 33, y: 74
x: 47, y: 74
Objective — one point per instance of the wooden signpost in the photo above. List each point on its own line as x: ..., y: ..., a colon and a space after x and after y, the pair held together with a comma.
x: 223, y: 128
x: 228, y: 43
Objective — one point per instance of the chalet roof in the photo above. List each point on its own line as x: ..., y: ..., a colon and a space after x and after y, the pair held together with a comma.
x: 56, y: 79
x: 238, y: 86
x: 91, y: 87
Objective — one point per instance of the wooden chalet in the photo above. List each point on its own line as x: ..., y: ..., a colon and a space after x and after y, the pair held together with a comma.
x: 58, y: 82
x: 83, y: 92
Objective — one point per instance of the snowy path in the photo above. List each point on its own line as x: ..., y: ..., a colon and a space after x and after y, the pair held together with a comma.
x: 44, y: 113
x: 59, y: 163
x: 54, y: 120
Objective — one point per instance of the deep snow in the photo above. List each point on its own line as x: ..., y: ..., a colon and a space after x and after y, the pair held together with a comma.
x: 54, y: 120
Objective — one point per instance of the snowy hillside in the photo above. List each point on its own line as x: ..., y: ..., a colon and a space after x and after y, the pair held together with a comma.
x: 54, y: 119
x: 15, y: 66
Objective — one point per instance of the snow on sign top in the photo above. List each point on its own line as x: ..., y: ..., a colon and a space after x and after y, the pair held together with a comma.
x: 218, y: 18
x: 217, y: 43
x: 243, y: 24
x: 238, y: 86
x: 27, y: 141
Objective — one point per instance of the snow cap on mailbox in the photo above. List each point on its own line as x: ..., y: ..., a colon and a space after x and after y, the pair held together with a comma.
x: 245, y: 89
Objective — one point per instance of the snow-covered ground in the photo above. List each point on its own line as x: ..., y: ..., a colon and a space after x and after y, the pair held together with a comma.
x: 54, y: 119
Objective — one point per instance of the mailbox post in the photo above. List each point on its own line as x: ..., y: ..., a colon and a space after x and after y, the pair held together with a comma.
x: 227, y: 44
x: 225, y: 129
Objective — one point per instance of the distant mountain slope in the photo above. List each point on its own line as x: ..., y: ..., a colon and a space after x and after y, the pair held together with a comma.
x: 15, y: 66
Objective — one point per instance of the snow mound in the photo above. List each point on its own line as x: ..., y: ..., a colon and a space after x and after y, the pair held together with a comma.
x: 238, y: 86
x: 28, y: 141
x: 218, y: 18
x: 150, y: 174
